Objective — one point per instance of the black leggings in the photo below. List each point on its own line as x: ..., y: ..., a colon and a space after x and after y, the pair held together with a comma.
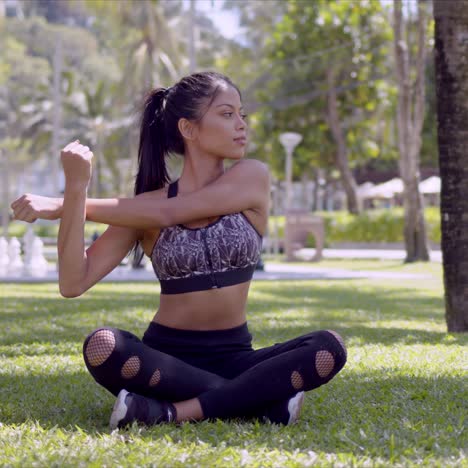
x: 219, y: 367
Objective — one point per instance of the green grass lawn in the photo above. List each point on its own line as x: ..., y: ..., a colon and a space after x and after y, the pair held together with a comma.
x: 401, y: 400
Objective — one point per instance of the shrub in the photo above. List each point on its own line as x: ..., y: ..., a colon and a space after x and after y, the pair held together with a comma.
x: 371, y: 226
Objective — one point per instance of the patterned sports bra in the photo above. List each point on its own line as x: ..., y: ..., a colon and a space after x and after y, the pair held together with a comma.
x: 223, y: 253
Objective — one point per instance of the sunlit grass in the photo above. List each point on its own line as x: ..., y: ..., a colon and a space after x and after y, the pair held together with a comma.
x: 400, y: 401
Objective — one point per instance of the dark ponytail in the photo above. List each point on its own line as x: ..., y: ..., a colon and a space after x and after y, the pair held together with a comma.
x: 152, y: 173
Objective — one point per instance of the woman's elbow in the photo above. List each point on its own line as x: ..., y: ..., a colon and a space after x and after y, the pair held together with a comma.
x: 68, y: 292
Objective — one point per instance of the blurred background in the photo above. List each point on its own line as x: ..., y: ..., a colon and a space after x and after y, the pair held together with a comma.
x: 324, y: 71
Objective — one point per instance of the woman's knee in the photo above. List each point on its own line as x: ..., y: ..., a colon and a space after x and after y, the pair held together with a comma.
x: 104, y: 342
x: 331, y: 355
x: 98, y: 346
x: 110, y: 350
x: 338, y: 350
x: 105, y: 352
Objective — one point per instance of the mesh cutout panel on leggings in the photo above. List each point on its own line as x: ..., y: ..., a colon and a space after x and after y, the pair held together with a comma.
x: 131, y: 367
x: 296, y: 380
x: 339, y: 339
x: 155, y: 378
x: 324, y: 363
x: 100, y: 347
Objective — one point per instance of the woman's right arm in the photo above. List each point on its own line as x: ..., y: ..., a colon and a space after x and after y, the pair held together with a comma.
x: 72, y: 258
x: 79, y: 269
x: 101, y: 257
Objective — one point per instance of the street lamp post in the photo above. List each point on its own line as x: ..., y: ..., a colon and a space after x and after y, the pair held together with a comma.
x: 6, y: 192
x: 289, y: 140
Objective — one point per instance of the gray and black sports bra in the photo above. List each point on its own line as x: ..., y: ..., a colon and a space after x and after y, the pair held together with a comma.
x: 223, y: 253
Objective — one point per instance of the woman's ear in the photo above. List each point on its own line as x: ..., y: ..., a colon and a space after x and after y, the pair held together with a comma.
x: 187, y: 129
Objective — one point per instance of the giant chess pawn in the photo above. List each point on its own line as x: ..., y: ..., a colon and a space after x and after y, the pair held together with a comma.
x: 4, y: 259
x: 37, y: 264
x: 28, y: 239
x: 15, y: 265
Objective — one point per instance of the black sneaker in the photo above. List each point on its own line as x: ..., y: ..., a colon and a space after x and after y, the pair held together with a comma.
x: 131, y: 407
x: 286, y: 412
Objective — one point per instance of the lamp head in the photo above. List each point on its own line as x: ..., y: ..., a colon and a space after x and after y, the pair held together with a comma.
x: 290, y: 140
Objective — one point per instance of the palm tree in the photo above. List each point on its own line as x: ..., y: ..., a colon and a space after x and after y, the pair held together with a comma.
x: 153, y: 48
x: 92, y: 108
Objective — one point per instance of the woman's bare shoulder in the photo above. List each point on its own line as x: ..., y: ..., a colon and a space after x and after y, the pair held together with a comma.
x: 251, y: 165
x: 259, y: 172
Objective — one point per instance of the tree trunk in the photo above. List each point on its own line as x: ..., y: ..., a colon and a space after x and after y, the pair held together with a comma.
x: 410, y: 117
x: 341, y: 155
x: 98, y: 162
x: 451, y: 65
x: 305, y: 190
x: 57, y: 115
x: 316, y: 190
x: 6, y: 192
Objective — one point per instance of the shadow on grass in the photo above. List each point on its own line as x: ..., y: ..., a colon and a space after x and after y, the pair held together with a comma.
x: 64, y: 400
x: 363, y: 335
x: 276, y: 312
x: 58, y: 320
x: 370, y: 413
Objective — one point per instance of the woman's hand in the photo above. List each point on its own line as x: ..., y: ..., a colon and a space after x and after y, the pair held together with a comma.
x: 76, y: 162
x: 30, y: 207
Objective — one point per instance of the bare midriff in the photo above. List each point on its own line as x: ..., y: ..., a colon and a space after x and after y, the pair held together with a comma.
x: 214, y: 309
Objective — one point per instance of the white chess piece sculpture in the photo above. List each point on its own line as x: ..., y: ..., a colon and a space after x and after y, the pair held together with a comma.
x: 36, y: 264
x: 28, y: 239
x: 15, y: 265
x: 4, y: 259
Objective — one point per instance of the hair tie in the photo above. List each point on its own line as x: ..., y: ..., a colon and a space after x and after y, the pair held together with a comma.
x: 166, y: 92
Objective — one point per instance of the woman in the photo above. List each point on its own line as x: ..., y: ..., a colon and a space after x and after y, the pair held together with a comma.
x: 203, y: 234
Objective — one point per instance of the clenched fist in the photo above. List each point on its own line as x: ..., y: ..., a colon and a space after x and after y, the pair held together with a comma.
x: 30, y: 207
x: 76, y: 162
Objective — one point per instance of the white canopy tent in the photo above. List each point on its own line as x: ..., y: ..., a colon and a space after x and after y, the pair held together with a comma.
x: 386, y: 190
x: 364, y: 189
x: 395, y: 186
x: 430, y: 185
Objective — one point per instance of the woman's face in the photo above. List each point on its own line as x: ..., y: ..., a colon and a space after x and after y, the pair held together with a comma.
x: 222, y: 131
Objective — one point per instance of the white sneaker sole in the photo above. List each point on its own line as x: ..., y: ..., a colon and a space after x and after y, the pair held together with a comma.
x: 294, y: 407
x: 119, y: 411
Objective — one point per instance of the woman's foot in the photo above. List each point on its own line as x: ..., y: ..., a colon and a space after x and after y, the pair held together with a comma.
x: 130, y: 407
x: 286, y: 412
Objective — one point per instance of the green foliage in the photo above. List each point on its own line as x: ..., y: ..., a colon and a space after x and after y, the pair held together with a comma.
x: 50, y: 229
x: 112, y: 52
x: 354, y: 40
x: 375, y: 226
x: 370, y: 226
x: 396, y: 403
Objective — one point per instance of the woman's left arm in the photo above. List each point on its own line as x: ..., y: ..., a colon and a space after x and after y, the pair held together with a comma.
x: 246, y: 185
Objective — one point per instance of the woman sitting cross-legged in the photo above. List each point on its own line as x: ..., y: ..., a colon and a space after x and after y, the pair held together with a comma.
x: 203, y: 233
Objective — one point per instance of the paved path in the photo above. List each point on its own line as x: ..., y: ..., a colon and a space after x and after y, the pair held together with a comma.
x: 273, y: 271
x: 381, y: 254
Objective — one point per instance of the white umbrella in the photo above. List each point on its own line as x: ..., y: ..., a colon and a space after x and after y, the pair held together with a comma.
x: 430, y: 185
x: 364, y: 189
x: 386, y: 190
